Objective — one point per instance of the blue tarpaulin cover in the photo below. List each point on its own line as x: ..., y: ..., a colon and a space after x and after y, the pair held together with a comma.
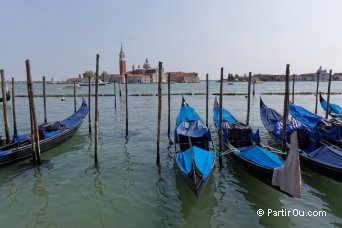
x: 261, y: 156
x: 18, y: 138
x: 226, y: 116
x: 203, y: 159
x: 327, y: 155
x: 189, y: 123
x: 255, y: 136
x: 333, y: 108
x: 77, y: 117
x: 47, y: 134
x: 304, y: 116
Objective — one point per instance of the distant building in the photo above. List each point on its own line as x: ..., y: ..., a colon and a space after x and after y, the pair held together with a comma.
x: 122, y: 61
x: 182, y: 77
x: 337, y: 77
x: 138, y: 78
x: 323, y: 75
x: 115, y: 78
x: 75, y: 79
x: 147, y: 74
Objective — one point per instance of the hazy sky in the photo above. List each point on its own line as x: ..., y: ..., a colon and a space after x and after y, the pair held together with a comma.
x: 61, y: 38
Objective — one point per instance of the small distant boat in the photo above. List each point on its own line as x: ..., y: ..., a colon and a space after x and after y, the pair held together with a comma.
x: 246, y: 147
x: 334, y: 109
x: 92, y: 83
x: 77, y: 86
x: 230, y: 83
x: 51, y: 135
x: 259, y: 82
x: 63, y: 99
x: 314, y: 154
x: 194, y: 157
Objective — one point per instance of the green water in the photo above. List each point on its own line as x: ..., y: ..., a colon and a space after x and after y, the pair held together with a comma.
x: 128, y: 190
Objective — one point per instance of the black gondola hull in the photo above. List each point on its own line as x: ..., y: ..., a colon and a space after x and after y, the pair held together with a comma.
x: 197, y: 189
x: 26, y: 151
x: 328, y: 171
x: 262, y: 173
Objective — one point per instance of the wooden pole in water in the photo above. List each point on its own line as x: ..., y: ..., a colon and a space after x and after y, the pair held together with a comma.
x: 160, y: 65
x: 120, y: 85
x: 254, y: 81
x: 15, y: 131
x: 168, y: 104
x: 34, y: 125
x: 4, y: 105
x: 114, y: 95
x: 97, y: 108
x: 89, y: 101
x: 317, y: 87
x: 74, y: 96
x: 207, y: 99
x: 293, y: 87
x: 249, y: 97
x: 220, y: 130
x: 31, y: 120
x: 126, y: 95
x: 286, y: 105
x: 328, y: 99
x: 44, y: 99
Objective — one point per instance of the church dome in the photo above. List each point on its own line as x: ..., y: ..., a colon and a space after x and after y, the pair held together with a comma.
x: 146, y: 65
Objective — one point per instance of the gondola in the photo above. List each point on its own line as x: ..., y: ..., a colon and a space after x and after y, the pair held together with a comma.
x: 314, y: 154
x: 330, y: 130
x: 245, y: 146
x: 335, y: 110
x: 50, y: 136
x: 193, y: 144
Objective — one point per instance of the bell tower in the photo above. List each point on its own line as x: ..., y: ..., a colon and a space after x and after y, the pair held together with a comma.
x: 122, y: 62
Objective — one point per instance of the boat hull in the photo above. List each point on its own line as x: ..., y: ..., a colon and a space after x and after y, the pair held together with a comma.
x: 26, y: 151
x: 328, y: 171
x: 196, y: 189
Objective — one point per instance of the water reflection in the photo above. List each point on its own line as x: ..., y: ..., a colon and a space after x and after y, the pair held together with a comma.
x: 260, y: 196
x: 320, y: 186
x: 39, y: 190
x: 196, y: 212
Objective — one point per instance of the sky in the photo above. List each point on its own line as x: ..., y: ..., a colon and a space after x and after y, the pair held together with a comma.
x: 61, y: 38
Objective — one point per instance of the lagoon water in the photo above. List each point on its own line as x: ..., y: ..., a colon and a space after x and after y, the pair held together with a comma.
x: 128, y: 190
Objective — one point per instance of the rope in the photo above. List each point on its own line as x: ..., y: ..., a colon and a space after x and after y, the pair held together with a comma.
x: 274, y: 150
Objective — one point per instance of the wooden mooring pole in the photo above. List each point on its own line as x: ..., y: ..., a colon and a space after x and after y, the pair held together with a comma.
x: 249, y: 97
x: 286, y: 105
x: 89, y: 102
x: 317, y: 87
x: 15, y: 131
x: 97, y: 108
x: 206, y: 99
x: 114, y: 95
x: 220, y: 129
x: 34, y: 124
x: 74, y: 96
x: 120, y: 85
x: 254, y: 81
x: 160, y: 65
x: 168, y: 104
x: 328, y: 99
x: 44, y: 99
x: 4, y: 105
x: 126, y: 95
